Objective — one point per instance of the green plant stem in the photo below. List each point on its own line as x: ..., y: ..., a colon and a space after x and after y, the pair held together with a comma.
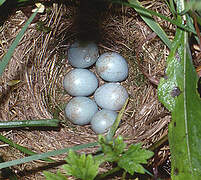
x: 45, y: 155
x: 114, y: 127
x: 30, y: 123
x: 21, y: 148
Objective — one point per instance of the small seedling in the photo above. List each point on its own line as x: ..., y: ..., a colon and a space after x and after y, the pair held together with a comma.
x: 86, y: 166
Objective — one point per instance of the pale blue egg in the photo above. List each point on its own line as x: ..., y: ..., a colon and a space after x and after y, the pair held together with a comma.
x: 103, y: 120
x: 80, y: 82
x: 112, y: 67
x: 83, y: 54
x: 80, y: 110
x: 111, y: 96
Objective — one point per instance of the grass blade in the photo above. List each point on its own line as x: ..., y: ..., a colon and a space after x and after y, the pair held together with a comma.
x: 114, y: 127
x: 30, y: 123
x: 7, y: 173
x: 7, y: 57
x: 147, y: 17
x: 2, y: 1
x: 21, y: 148
x: 153, y: 13
x: 45, y: 155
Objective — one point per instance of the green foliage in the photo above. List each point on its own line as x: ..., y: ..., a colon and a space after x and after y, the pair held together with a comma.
x: 2, y: 1
x: 147, y: 17
x: 128, y: 160
x: 52, y: 176
x: 115, y: 125
x: 132, y: 159
x: 178, y: 92
x: 144, y: 12
x: 193, y: 5
x: 7, y: 173
x: 45, y: 155
x: 86, y: 166
x: 21, y: 148
x: 7, y: 57
x: 81, y: 166
x: 30, y: 123
x: 112, y: 150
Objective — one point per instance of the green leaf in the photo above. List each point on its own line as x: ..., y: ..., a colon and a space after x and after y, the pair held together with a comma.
x: 132, y: 159
x: 7, y: 173
x: 2, y: 1
x: 114, y: 127
x: 21, y: 148
x: 52, y: 176
x: 178, y: 92
x: 153, y: 13
x: 81, y: 166
x: 193, y: 5
x: 147, y: 17
x: 45, y: 155
x: 7, y: 57
x: 30, y: 123
x: 112, y: 150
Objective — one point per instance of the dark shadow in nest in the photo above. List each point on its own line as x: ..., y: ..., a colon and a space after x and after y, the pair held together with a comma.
x: 87, y: 21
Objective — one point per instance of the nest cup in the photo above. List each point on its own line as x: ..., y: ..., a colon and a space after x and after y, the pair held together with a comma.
x: 40, y: 63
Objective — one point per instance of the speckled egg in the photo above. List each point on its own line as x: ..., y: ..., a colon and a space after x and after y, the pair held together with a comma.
x: 80, y: 110
x: 112, y: 67
x: 103, y: 120
x: 83, y: 54
x: 80, y: 82
x: 111, y: 96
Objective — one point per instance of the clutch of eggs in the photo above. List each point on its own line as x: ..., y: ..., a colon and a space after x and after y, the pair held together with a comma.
x: 81, y: 82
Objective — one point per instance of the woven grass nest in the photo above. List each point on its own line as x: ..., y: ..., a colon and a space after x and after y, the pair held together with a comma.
x: 40, y: 63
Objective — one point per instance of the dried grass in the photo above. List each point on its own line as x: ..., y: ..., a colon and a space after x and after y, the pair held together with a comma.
x: 40, y: 64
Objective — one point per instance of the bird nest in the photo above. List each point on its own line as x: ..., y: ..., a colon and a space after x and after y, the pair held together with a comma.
x: 40, y: 62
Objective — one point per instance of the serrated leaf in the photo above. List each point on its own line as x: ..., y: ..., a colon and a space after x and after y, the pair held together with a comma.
x: 178, y: 92
x: 132, y: 159
x: 119, y: 145
x: 81, y: 166
x: 112, y: 149
x: 52, y: 176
